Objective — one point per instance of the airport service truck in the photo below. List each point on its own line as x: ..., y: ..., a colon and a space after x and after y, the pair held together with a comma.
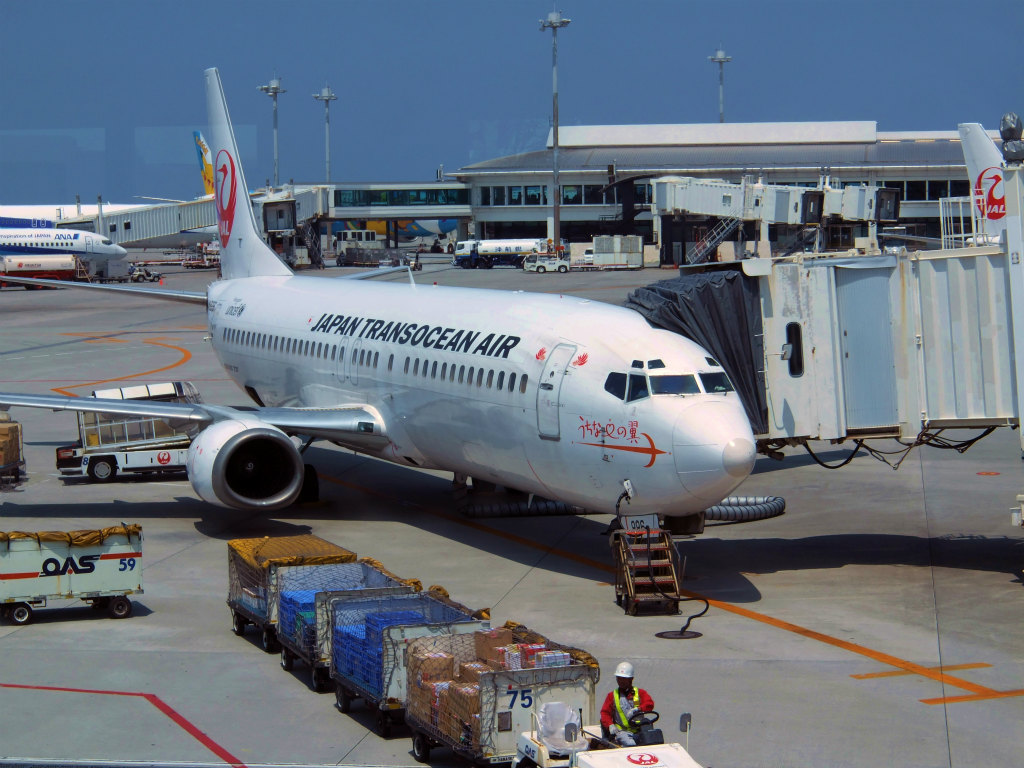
x: 111, y: 443
x: 50, y: 267
x: 495, y: 253
x: 546, y: 262
x: 101, y: 567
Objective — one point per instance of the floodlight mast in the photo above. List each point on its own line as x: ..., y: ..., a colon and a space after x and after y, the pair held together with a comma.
x: 721, y: 60
x: 554, y: 22
x: 272, y: 89
x: 327, y: 96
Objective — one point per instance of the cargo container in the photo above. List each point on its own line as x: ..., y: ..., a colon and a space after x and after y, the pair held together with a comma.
x: 254, y: 568
x: 370, y: 637
x: 101, y: 567
x: 12, y: 451
x: 476, y: 693
x: 304, y: 608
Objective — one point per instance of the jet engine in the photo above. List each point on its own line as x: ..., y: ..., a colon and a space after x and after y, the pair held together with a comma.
x: 245, y: 464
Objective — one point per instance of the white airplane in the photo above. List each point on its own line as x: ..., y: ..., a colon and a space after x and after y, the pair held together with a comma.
x: 570, y: 399
x: 985, y: 172
x: 22, y: 240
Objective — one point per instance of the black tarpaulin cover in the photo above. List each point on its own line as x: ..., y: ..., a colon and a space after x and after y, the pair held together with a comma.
x: 721, y: 311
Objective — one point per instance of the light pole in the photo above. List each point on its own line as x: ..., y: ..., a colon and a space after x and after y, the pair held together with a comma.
x: 721, y: 60
x: 326, y: 96
x: 272, y: 89
x: 554, y: 22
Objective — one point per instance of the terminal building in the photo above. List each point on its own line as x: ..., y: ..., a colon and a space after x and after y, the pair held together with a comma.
x: 606, y: 175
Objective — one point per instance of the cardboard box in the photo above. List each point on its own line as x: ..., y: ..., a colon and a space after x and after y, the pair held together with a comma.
x: 470, y: 671
x: 492, y: 638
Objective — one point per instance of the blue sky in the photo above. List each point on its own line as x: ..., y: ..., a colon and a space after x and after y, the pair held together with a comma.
x: 102, y: 97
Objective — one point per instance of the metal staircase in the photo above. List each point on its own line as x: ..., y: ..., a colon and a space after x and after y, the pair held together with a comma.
x: 707, y: 246
x: 647, y: 570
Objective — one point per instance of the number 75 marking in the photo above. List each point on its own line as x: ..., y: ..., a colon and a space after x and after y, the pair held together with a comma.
x: 524, y: 696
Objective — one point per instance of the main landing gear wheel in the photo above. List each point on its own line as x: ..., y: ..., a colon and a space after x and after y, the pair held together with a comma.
x: 120, y: 607
x: 420, y: 747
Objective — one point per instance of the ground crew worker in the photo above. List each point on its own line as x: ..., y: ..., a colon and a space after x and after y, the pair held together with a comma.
x: 623, y: 703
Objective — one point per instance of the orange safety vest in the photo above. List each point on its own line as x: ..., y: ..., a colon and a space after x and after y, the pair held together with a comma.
x: 623, y: 720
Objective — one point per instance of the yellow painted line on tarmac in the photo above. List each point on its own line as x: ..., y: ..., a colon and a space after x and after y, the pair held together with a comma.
x: 979, y: 692
x: 899, y: 672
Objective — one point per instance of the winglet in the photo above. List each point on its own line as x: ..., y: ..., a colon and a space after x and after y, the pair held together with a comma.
x: 243, y: 252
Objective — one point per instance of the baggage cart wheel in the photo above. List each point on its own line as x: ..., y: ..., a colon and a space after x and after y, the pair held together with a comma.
x: 541, y: 270
x: 20, y: 613
x: 287, y: 660
x: 120, y: 607
x: 344, y: 699
x: 420, y: 747
x: 319, y: 678
x: 238, y: 623
x: 268, y: 640
x: 632, y: 608
x: 102, y: 469
x: 562, y: 268
x: 383, y: 724
x: 100, y: 603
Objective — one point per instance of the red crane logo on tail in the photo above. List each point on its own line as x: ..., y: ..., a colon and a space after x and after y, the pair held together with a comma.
x: 227, y: 183
x: 989, y: 194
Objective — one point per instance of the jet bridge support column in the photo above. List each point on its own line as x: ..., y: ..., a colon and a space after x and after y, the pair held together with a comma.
x: 1013, y: 181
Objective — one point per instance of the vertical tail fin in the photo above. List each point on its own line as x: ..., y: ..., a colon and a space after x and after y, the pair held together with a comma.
x: 242, y: 250
x: 205, y: 161
x: 985, y: 172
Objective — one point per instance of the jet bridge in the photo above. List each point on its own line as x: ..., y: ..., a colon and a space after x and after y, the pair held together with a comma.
x: 864, y: 344
x: 676, y: 197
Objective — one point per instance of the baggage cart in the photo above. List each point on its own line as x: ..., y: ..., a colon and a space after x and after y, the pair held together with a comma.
x: 465, y: 692
x: 370, y: 637
x: 304, y: 616
x: 101, y: 567
x: 12, y: 451
x: 254, y: 566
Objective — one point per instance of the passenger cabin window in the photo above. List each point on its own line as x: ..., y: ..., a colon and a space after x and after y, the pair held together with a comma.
x: 715, y: 383
x: 685, y: 384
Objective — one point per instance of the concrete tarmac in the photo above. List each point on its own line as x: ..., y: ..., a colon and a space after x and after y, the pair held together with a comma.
x: 878, y: 622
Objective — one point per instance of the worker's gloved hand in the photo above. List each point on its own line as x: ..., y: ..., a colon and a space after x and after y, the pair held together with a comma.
x: 613, y: 729
x: 629, y: 710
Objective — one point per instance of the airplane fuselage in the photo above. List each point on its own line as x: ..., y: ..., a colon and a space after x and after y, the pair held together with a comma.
x: 88, y: 246
x: 540, y: 393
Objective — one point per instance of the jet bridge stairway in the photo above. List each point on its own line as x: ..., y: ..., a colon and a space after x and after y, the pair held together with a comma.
x: 707, y: 246
x: 647, y: 570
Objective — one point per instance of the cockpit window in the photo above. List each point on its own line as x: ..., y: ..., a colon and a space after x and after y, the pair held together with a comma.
x: 616, y: 385
x: 712, y: 362
x: 637, y: 387
x: 107, y: 242
x: 716, y: 383
x: 675, y: 385
x: 654, y: 364
x: 637, y: 364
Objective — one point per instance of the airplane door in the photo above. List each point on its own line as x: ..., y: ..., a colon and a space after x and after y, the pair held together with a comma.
x: 89, y: 245
x: 549, y: 390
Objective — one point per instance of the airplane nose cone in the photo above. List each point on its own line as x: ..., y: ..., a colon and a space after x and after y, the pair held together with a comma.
x: 713, y: 448
x: 120, y: 251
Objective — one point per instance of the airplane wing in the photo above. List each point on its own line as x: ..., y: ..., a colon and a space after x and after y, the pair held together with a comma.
x: 359, y: 426
x: 189, y: 297
x: 379, y: 272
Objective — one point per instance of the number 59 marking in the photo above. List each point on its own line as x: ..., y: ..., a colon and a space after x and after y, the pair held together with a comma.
x: 126, y: 564
x: 524, y: 696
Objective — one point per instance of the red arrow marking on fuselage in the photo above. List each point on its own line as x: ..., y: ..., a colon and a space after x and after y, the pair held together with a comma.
x: 650, y: 450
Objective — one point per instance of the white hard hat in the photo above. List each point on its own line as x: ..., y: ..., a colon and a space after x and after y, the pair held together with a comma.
x: 625, y: 669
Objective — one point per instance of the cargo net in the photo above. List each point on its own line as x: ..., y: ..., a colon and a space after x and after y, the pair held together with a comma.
x: 360, y: 649
x: 455, y: 681
x: 298, y: 586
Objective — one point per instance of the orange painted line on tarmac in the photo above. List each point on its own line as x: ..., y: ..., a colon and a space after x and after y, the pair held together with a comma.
x: 977, y: 697
x: 899, y: 672
x: 185, y: 357
x: 936, y: 674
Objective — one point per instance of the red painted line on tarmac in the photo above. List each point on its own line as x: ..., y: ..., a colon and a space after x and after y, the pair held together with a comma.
x: 157, y: 702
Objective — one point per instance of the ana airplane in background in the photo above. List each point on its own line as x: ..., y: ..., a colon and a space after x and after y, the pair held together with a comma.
x: 19, y: 239
x: 570, y: 399
x: 985, y: 171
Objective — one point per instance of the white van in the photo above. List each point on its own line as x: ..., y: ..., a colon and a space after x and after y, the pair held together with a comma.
x: 543, y: 262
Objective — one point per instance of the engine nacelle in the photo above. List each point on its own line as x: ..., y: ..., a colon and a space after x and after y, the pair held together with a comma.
x: 245, y: 464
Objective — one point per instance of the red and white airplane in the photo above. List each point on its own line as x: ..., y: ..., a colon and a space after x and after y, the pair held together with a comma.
x: 569, y: 399
x: 985, y: 171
